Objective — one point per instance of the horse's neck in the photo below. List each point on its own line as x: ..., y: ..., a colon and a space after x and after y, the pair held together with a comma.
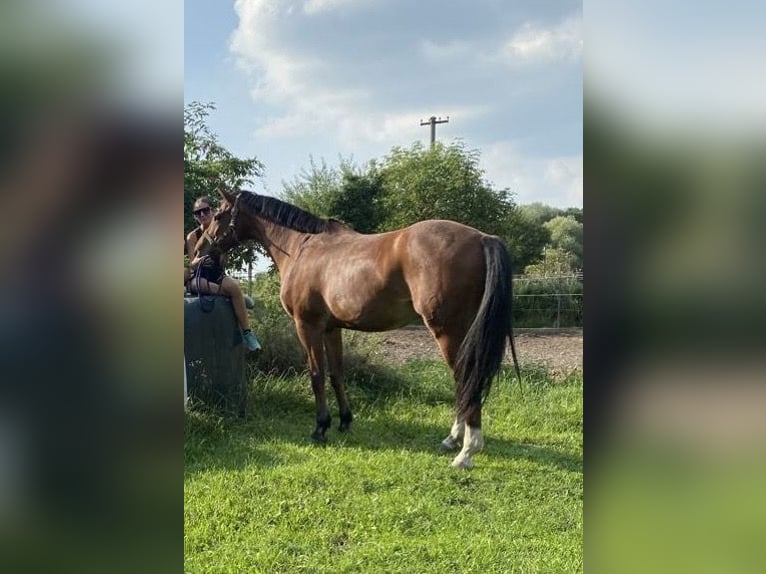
x: 282, y: 243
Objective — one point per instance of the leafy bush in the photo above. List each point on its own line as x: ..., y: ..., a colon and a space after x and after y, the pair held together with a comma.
x: 547, y: 301
x: 281, y: 350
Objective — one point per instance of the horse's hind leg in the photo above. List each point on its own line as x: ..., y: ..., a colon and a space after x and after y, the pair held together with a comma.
x: 473, y: 441
x: 333, y: 342
x: 455, y: 437
x: 311, y: 338
x: 465, y: 431
x: 449, y: 344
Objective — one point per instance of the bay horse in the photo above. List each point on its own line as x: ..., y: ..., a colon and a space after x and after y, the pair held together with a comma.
x: 454, y: 277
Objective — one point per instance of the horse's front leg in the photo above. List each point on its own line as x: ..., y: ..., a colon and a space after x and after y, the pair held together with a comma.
x: 312, y: 339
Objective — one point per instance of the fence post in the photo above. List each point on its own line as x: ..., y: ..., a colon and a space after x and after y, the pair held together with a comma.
x: 250, y: 275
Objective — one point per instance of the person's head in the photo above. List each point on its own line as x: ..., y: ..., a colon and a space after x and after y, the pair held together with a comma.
x: 203, y: 211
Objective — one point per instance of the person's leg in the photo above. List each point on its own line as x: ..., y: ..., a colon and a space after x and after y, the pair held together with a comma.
x: 199, y: 286
x: 231, y: 289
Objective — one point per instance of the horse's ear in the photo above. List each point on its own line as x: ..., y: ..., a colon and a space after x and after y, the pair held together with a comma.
x: 229, y: 197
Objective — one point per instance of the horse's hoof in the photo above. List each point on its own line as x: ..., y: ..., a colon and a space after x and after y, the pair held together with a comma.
x: 462, y: 462
x: 318, y: 438
x: 345, y: 421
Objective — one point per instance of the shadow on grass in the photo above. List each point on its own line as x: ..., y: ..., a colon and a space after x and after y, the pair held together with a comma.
x: 281, y: 410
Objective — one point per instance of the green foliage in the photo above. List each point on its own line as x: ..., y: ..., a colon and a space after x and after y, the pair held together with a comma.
x: 208, y: 163
x: 442, y: 182
x: 259, y: 497
x: 281, y: 352
x: 554, y: 262
x: 575, y: 212
x: 547, y: 301
x: 358, y: 204
x: 408, y: 185
x: 542, y: 226
x: 539, y: 213
x: 314, y: 189
x: 527, y: 239
x: 349, y: 194
x: 567, y: 236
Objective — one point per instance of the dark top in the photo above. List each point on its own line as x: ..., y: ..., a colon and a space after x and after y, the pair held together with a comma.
x: 211, y: 267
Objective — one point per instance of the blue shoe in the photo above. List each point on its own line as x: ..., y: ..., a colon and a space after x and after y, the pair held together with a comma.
x: 251, y: 342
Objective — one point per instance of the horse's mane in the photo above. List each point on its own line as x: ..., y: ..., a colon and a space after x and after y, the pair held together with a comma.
x: 284, y: 214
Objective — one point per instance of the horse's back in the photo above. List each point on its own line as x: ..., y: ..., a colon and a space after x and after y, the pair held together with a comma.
x: 444, y: 246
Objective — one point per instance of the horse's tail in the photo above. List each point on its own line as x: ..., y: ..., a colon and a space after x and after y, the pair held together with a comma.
x: 481, y: 353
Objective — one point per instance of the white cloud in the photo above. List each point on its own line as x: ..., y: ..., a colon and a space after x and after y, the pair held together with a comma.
x: 555, y: 181
x: 300, y: 84
x: 338, y: 87
x: 316, y: 6
x: 278, y: 74
x: 565, y: 174
x: 393, y: 129
x: 282, y: 75
x: 534, y: 43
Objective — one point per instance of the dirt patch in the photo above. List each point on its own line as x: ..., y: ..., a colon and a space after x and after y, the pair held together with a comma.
x: 560, y: 351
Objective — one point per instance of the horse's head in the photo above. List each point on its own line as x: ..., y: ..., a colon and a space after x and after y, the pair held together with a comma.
x: 222, y: 232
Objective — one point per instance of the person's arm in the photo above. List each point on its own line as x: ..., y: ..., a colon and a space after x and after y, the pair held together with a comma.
x: 191, y: 243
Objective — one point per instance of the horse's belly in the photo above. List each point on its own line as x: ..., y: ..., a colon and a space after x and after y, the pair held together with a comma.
x: 380, y: 317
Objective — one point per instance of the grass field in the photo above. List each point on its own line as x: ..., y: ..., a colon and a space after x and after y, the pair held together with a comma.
x: 259, y: 497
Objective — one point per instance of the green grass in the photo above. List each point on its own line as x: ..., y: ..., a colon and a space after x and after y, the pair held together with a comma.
x: 259, y: 497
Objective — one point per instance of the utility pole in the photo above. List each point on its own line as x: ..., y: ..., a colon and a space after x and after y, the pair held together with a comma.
x: 432, y: 121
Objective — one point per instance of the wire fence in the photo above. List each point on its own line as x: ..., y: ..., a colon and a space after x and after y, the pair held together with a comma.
x: 539, y: 302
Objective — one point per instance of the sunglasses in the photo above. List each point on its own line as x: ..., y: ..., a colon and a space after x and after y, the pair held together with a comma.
x: 202, y: 211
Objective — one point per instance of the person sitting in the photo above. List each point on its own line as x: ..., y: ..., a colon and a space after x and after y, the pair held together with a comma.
x: 208, y: 276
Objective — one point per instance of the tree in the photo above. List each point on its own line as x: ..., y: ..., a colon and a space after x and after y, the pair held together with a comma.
x: 539, y: 212
x: 575, y: 212
x: 527, y: 238
x: 207, y: 163
x: 348, y: 193
x: 554, y: 262
x: 543, y: 226
x: 442, y: 182
x: 315, y: 189
x: 567, y: 236
x: 358, y: 203
x: 410, y: 185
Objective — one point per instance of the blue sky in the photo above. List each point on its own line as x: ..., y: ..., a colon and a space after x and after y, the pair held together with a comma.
x: 352, y: 78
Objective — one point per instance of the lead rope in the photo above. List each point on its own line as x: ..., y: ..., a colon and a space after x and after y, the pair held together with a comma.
x: 198, y: 277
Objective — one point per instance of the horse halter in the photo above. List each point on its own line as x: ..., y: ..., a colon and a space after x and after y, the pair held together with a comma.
x: 232, y: 228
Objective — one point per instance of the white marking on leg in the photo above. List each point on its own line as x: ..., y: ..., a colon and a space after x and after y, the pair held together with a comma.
x: 473, y: 443
x: 455, y: 436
